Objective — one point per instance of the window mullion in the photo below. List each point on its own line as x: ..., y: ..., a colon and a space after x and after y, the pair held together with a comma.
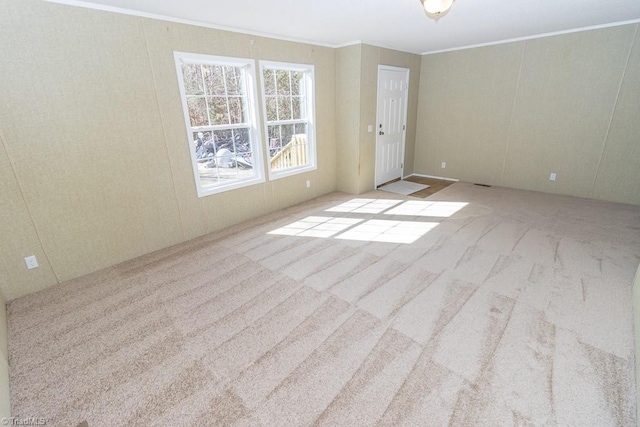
x: 204, y: 89
x: 304, y: 96
x: 275, y: 92
x: 290, y: 96
x: 221, y: 127
x: 288, y: 122
x: 226, y: 94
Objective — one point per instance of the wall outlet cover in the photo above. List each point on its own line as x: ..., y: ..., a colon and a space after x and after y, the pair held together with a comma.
x: 31, y: 261
x: 443, y: 165
x: 552, y: 177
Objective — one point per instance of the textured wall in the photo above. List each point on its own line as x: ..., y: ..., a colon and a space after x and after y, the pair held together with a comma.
x: 5, y: 401
x: 357, y: 90
x: 94, y: 160
x: 636, y: 321
x: 348, y: 76
x: 511, y: 114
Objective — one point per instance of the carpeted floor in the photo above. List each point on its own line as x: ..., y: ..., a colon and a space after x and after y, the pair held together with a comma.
x: 477, y: 306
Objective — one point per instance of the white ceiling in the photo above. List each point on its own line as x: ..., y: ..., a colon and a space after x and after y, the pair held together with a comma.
x: 397, y: 24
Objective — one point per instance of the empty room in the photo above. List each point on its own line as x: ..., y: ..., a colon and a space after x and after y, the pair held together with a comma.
x: 340, y: 213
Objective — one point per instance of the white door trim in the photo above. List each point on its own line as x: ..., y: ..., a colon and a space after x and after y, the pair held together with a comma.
x: 406, y: 107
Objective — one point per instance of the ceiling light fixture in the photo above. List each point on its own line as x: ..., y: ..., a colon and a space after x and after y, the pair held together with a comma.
x: 436, y: 9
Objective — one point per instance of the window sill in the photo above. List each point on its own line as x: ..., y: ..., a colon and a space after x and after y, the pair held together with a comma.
x: 208, y: 191
x: 290, y: 172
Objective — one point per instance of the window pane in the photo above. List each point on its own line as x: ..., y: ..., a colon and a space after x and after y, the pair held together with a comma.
x: 283, y: 133
x: 291, y: 150
x: 197, y: 111
x: 245, y: 168
x: 236, y: 110
x: 272, y: 109
x: 234, y: 157
x: 295, y: 112
x: 213, y: 79
x: 242, y: 143
x: 233, y: 76
x: 287, y: 132
x: 269, y: 77
x: 218, y: 113
x: 296, y: 81
x: 244, y: 153
x: 208, y: 173
x: 224, y: 158
x: 284, y: 108
x: 223, y: 139
x: 301, y: 128
x: 274, y: 133
x: 192, y: 79
x: 204, y: 146
x: 274, y: 140
x: 283, y: 83
x: 231, y: 146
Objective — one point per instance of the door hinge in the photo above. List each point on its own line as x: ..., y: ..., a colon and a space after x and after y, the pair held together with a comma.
x: 404, y: 127
x: 401, y: 165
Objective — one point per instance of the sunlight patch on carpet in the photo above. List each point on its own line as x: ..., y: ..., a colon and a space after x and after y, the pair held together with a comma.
x: 372, y: 206
x: 435, y: 209
x: 377, y: 230
x: 316, y: 226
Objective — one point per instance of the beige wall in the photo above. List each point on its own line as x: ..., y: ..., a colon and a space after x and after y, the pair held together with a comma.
x: 94, y: 161
x: 357, y: 84
x: 5, y: 401
x: 513, y: 113
x: 348, y: 86
x: 636, y: 324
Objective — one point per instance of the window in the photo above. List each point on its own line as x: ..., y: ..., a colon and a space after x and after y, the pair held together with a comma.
x: 288, y: 97
x: 219, y: 103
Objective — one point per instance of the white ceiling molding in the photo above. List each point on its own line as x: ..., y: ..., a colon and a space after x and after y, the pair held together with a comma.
x: 132, y: 12
x: 400, y: 24
x: 537, y: 36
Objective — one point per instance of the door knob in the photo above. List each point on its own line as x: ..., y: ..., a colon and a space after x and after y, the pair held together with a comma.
x: 380, y: 133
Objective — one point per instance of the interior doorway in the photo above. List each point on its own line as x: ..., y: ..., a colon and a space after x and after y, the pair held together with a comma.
x: 391, y: 125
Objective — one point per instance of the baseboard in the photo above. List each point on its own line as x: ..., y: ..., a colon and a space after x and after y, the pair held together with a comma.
x: 432, y: 177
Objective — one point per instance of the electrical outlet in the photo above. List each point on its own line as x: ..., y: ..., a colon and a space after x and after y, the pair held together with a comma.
x: 370, y: 128
x: 308, y: 183
x: 31, y: 262
x: 552, y: 177
x: 444, y: 165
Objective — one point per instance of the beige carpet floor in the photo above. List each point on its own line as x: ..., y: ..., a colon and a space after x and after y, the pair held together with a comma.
x: 477, y: 306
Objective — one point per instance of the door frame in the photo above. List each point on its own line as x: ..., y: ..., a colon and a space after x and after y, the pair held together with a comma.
x: 376, y: 126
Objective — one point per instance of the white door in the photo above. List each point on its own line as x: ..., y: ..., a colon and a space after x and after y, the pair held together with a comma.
x: 393, y: 85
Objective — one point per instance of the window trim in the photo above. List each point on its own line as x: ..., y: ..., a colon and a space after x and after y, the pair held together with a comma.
x: 252, y: 111
x: 308, y: 71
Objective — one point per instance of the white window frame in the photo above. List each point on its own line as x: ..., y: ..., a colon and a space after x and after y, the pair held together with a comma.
x: 252, y: 112
x: 308, y: 71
